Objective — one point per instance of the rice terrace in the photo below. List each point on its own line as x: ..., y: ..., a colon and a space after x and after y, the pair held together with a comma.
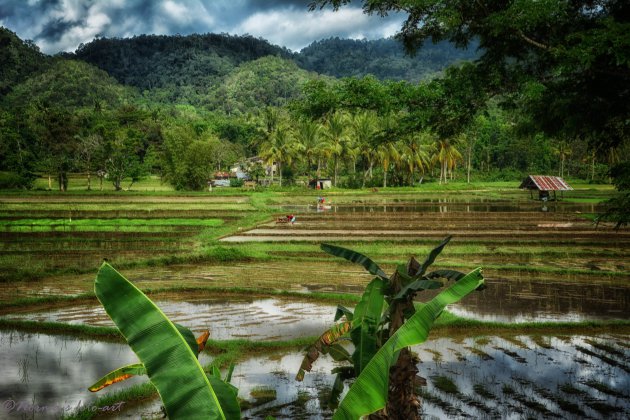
x: 322, y: 209
x: 548, y: 337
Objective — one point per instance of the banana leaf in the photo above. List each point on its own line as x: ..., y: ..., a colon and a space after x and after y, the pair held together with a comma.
x: 171, y: 364
x: 343, y: 311
x: 432, y: 256
x: 415, y: 286
x: 369, y: 392
x: 335, y: 392
x: 338, y: 353
x: 365, y: 322
x: 326, y: 339
x: 118, y: 375
x: 355, y: 257
x: 446, y: 274
x: 136, y: 369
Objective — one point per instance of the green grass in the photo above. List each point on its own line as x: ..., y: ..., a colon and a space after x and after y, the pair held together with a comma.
x: 104, y: 225
x: 113, y: 403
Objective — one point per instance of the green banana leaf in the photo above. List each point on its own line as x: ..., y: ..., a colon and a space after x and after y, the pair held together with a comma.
x: 446, y: 274
x: 355, y: 257
x: 432, y: 256
x: 126, y: 372
x: 415, y: 286
x: 169, y: 361
x: 369, y: 392
x: 227, y: 395
x: 343, y: 311
x: 365, y: 322
x: 326, y: 339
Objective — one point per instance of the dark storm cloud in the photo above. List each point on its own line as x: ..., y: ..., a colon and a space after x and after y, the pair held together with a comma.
x: 61, y: 25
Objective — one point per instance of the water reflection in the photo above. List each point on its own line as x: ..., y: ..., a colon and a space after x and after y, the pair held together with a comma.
x: 443, y: 206
x: 545, y: 300
x: 44, y: 376
x: 521, y: 379
x: 262, y: 319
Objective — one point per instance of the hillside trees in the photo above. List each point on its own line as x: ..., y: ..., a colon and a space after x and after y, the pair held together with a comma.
x: 574, y: 55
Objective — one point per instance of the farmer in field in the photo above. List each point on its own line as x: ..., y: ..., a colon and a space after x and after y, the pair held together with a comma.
x: 291, y: 219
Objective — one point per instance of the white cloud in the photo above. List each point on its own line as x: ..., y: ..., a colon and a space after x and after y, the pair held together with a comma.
x: 297, y: 29
x: 176, y: 11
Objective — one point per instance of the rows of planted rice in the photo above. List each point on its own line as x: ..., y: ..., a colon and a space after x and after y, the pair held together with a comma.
x: 46, y: 234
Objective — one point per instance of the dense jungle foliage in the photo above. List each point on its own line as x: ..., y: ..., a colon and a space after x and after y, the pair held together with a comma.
x: 183, y: 107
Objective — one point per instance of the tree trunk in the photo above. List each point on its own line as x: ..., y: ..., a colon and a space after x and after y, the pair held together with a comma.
x: 49, y: 182
x: 280, y: 172
x: 384, y: 178
x: 365, y: 174
x: 402, y: 399
x: 89, y: 180
x: 468, y: 174
x: 336, y: 167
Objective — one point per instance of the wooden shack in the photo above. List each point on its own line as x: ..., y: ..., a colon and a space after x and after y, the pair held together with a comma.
x: 320, y: 183
x: 544, y: 184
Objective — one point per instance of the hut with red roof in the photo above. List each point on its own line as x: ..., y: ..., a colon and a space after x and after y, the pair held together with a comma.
x: 544, y: 184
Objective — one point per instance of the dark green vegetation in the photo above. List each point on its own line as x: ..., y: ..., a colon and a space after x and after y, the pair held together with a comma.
x: 182, y: 124
x: 384, y: 324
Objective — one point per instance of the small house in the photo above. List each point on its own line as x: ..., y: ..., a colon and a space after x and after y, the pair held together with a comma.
x: 544, y: 184
x: 320, y: 183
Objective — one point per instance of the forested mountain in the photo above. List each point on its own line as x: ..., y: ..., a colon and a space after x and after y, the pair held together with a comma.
x: 158, y: 61
x: 267, y: 81
x: 187, y: 65
x: 383, y: 58
x: 18, y: 60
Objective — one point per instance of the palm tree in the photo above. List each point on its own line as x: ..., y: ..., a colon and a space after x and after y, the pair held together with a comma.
x: 308, y: 135
x: 364, y: 132
x: 562, y: 150
x: 336, y: 141
x: 279, y: 148
x: 414, y: 156
x: 447, y: 155
x: 386, y: 151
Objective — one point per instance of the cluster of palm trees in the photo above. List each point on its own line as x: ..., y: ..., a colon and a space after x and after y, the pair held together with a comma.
x: 349, y: 142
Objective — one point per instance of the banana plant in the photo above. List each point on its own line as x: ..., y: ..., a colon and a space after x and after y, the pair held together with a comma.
x: 167, y: 352
x: 137, y: 369
x: 382, y: 326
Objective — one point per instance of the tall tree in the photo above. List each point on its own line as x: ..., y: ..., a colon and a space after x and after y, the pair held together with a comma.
x: 336, y: 140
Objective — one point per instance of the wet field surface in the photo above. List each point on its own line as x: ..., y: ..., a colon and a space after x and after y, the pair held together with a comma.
x: 234, y: 318
x: 576, y: 377
x: 569, y: 270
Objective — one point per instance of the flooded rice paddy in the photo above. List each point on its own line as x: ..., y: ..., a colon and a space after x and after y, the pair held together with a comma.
x: 46, y: 376
x: 484, y: 377
x: 541, y: 263
x: 254, y: 319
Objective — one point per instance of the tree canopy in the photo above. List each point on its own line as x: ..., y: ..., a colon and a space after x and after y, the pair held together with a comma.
x: 568, y: 62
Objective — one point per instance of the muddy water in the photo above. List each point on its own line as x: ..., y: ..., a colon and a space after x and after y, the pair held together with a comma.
x: 254, y: 319
x: 521, y: 377
x: 530, y: 300
x: 44, y: 376
x: 294, y: 400
x: 443, y: 206
x: 521, y: 296
x: 524, y: 380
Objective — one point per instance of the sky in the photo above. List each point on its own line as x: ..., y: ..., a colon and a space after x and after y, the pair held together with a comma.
x: 61, y: 25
